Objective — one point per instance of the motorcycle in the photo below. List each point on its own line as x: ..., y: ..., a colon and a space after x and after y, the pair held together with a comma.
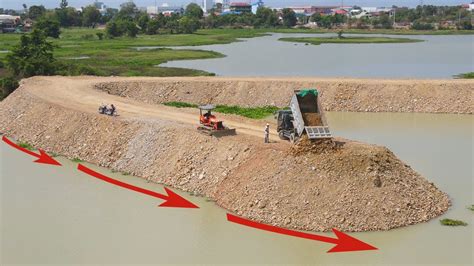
x: 104, y: 110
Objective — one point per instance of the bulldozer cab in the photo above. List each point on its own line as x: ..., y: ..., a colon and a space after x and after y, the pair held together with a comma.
x: 206, y: 109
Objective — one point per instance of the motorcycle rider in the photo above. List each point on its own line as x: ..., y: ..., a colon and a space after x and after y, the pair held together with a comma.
x: 112, y: 109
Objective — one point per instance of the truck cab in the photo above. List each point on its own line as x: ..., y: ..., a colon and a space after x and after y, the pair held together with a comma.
x: 285, y: 127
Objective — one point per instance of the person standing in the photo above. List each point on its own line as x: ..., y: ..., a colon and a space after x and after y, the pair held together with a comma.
x: 267, y: 133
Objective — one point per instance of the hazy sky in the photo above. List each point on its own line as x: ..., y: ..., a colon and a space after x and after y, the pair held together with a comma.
x: 16, y: 4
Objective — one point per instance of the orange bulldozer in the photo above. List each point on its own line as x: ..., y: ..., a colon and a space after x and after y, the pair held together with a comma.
x: 210, y: 125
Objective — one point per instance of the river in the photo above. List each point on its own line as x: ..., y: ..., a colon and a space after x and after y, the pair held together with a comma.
x: 436, y: 57
x: 59, y: 215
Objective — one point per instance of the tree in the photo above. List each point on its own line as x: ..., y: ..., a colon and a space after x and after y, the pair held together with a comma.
x: 128, y: 10
x: 464, y: 25
x: 143, y: 22
x: 32, y: 56
x: 152, y: 27
x: 131, y: 29
x: 194, y: 10
x: 188, y: 24
x: 68, y: 17
x: 316, y: 17
x: 112, y: 30
x: 49, y: 26
x: 34, y: 12
x: 266, y: 17
x: 289, y: 17
x: 110, y: 13
x: 90, y: 16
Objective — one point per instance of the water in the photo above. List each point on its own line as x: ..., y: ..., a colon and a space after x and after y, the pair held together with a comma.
x: 59, y: 215
x: 437, y: 57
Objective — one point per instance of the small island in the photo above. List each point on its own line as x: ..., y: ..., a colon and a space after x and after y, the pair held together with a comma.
x: 352, y: 39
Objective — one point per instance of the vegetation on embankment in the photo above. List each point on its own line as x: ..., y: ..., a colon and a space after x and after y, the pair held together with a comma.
x: 26, y: 145
x: 321, y: 40
x: 375, y: 31
x: 469, y: 75
x: 249, y: 112
x: 451, y: 222
x: 471, y: 207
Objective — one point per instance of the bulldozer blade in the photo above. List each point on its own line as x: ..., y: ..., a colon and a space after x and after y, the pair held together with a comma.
x: 223, y: 132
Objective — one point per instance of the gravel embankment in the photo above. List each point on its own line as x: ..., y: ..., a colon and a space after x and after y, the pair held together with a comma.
x: 352, y: 95
x: 347, y: 185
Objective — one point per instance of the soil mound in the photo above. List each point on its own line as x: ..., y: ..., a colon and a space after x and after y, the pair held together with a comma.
x: 305, y: 146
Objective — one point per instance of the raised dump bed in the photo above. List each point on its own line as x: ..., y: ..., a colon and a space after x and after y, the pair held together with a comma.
x: 306, y: 116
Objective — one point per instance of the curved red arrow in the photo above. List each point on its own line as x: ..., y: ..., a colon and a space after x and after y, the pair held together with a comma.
x: 343, y: 242
x: 43, y: 157
x: 171, y: 200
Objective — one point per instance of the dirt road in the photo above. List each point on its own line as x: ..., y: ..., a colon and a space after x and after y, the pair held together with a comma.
x: 79, y: 94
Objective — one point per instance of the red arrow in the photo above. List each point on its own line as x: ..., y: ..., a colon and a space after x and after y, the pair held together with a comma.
x: 171, y: 200
x: 343, y: 242
x: 42, y: 157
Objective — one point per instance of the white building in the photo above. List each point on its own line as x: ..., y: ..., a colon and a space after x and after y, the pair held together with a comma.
x: 471, y: 7
x: 207, y: 5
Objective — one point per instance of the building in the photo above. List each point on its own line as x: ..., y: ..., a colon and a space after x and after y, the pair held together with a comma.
x: 240, y: 7
x: 100, y: 6
x: 256, y: 5
x: 164, y: 9
x: 9, y: 23
x: 207, y: 5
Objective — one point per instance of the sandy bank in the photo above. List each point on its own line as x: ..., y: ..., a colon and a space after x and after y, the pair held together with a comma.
x: 350, y: 185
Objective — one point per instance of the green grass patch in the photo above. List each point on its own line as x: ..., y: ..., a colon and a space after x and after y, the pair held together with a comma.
x: 451, y: 222
x: 119, y: 56
x: 77, y: 160
x: 249, y: 112
x: 26, y: 145
x: 181, y: 104
x: 125, y: 173
x: 471, y: 208
x: 469, y: 75
x: 353, y: 40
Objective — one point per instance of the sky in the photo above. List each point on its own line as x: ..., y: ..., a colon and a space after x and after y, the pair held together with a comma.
x: 17, y: 4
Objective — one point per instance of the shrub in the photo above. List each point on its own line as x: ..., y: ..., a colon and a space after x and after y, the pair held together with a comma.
x: 26, y: 145
x: 87, y: 37
x: 451, y: 222
x: 100, y: 35
x: 181, y: 105
x: 422, y: 26
x: 2, y: 65
x: 49, y: 26
x: 7, y: 86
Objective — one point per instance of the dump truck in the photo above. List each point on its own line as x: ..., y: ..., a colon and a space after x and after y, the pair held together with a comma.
x: 306, y: 116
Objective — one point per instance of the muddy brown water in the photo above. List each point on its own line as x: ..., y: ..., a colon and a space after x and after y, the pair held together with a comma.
x: 59, y: 215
